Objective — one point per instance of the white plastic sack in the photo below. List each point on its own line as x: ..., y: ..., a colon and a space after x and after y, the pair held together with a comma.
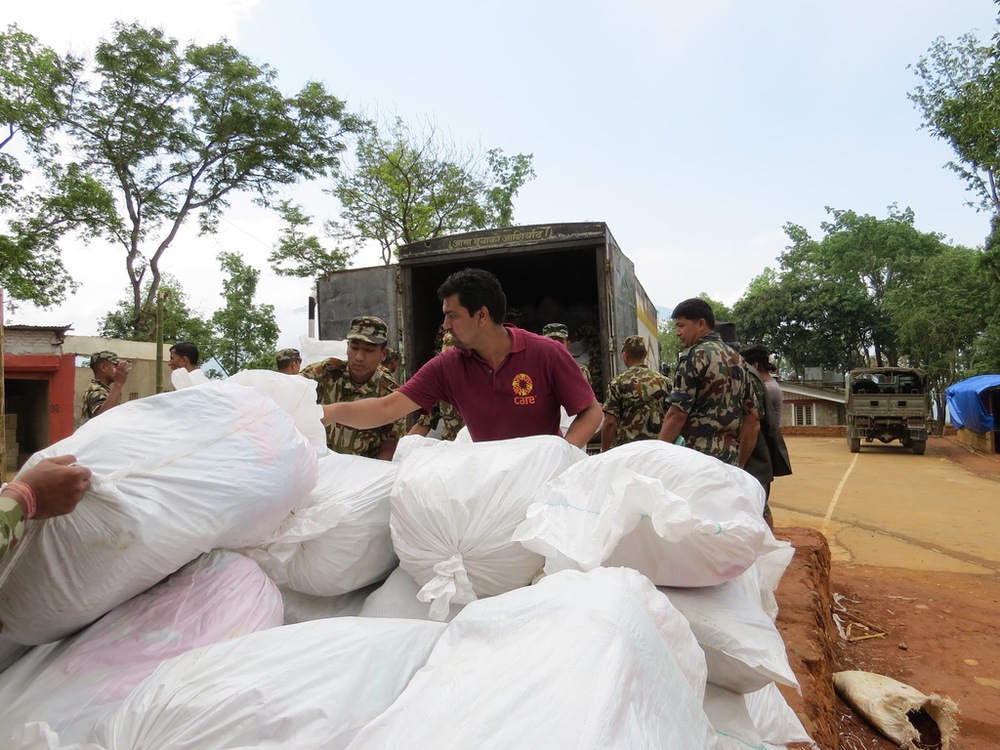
x: 181, y: 378
x: 311, y: 685
x: 455, y: 506
x: 73, y: 684
x: 743, y: 649
x: 175, y: 475
x: 410, y: 443
x: 397, y: 597
x: 338, y: 539
x: 902, y: 713
x: 728, y: 715
x: 580, y: 660
x: 316, y: 350
x: 678, y: 516
x: 10, y: 652
x: 295, y: 395
x: 774, y: 719
x: 305, y: 607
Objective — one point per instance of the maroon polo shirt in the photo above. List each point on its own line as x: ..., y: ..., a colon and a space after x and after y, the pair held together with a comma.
x: 521, y: 398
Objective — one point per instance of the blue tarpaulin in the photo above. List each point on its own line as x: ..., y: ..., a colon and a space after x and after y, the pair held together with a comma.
x: 967, y: 406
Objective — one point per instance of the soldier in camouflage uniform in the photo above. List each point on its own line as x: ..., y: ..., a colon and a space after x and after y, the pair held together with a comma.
x: 360, y: 377
x: 288, y: 361
x: 443, y: 412
x: 559, y: 332
x: 636, y: 400
x: 590, y: 335
x: 105, y: 390
x: 712, y: 403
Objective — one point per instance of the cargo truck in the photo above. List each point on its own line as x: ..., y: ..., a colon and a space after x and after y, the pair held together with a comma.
x: 886, y: 404
x: 551, y: 273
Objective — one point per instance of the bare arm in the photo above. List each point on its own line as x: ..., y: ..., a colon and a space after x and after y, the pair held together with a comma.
x: 673, y: 423
x: 608, y: 431
x: 585, y: 425
x: 419, y: 429
x: 369, y: 412
x: 748, y: 437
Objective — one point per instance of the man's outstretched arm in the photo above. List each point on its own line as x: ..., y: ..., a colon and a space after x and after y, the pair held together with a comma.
x: 584, y: 425
x: 369, y: 412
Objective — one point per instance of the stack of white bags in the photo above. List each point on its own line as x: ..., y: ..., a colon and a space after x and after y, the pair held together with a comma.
x: 227, y: 583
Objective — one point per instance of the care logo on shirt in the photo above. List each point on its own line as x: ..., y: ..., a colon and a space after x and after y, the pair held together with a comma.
x: 522, y: 386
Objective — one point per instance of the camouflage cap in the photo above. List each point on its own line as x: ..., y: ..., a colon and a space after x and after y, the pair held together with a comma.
x: 391, y: 355
x: 103, y: 356
x: 369, y: 329
x: 634, y: 342
x: 556, y: 331
x: 287, y: 355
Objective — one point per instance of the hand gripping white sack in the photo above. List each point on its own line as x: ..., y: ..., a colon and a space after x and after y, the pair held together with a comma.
x: 579, y: 660
x: 297, y: 396
x: 454, y: 508
x: 743, y: 649
x: 175, y: 475
x: 337, y: 540
x: 311, y: 685
x: 397, y: 597
x: 678, y: 516
x: 73, y: 684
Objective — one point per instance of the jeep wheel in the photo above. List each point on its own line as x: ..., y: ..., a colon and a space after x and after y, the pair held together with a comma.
x: 919, y: 446
x: 854, y: 444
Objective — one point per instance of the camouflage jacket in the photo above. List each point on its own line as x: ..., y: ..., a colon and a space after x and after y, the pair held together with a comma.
x: 11, y: 524
x: 94, y: 397
x: 637, y: 399
x: 713, y: 388
x: 451, y: 420
x: 586, y: 373
x: 334, y: 385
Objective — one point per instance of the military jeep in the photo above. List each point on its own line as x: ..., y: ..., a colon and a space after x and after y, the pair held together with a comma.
x: 888, y: 403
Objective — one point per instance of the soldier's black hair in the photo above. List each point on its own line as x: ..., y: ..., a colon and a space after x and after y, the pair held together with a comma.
x: 758, y: 356
x: 186, y: 349
x: 695, y: 309
x: 476, y: 288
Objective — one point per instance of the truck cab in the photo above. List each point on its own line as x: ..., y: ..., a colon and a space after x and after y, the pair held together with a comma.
x: 886, y: 404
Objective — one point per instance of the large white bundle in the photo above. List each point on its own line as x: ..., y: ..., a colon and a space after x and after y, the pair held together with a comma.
x: 338, y: 539
x: 743, y: 649
x: 455, y: 506
x: 397, y: 597
x: 311, y: 685
x: 678, y: 516
x: 774, y: 719
x: 316, y: 350
x: 729, y: 718
x: 581, y: 660
x: 73, y: 684
x: 176, y: 475
x: 297, y: 396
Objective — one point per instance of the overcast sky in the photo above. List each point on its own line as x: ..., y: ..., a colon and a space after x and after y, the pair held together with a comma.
x: 696, y: 130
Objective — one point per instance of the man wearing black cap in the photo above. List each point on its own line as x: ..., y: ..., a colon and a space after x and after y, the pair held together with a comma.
x: 359, y: 378
x: 105, y: 390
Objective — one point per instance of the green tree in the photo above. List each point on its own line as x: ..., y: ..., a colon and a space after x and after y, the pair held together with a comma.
x: 180, y: 323
x: 35, y: 86
x: 246, y: 332
x: 959, y: 99
x: 174, y: 133
x: 405, y: 187
x: 300, y: 254
x: 828, y: 304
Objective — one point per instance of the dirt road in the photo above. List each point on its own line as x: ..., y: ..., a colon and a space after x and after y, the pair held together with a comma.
x: 916, y: 556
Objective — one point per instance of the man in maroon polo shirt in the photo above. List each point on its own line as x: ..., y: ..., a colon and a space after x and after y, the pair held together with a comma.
x: 504, y: 381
